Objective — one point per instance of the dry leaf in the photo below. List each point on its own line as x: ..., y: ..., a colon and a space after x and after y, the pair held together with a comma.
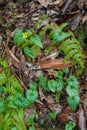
x: 82, y: 119
x: 44, y: 3
x: 55, y: 63
x: 84, y: 19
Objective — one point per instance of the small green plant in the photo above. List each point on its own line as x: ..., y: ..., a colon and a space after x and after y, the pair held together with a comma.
x: 70, y: 125
x: 69, y: 45
x: 13, y: 100
x: 72, y: 87
x: 14, y: 12
x: 57, y: 85
x: 52, y: 114
x: 30, y: 42
x: 19, y: 100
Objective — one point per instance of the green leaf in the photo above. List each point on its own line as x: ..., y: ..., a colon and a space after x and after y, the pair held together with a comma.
x: 71, y: 47
x: 57, y: 97
x: 70, y: 125
x: 33, y: 85
x: 10, y: 100
x: 57, y: 35
x: 29, y: 33
x: 18, y: 37
x: 28, y: 51
x: 3, y: 63
x: 45, y: 28
x: 67, y: 44
x: 59, y: 74
x: 52, y: 115
x: 43, y: 82
x: 70, y: 55
x: 36, y: 39
x: 20, y: 100
x: 52, y: 84
x: 2, y: 89
x: 32, y: 128
x: 65, y: 70
x: 36, y: 50
x: 48, y: 49
x: 72, y: 81
x: 59, y: 85
x: 14, y: 128
x: 71, y: 91
x: 30, y: 119
x: 3, y: 78
x: 31, y: 96
x: 73, y: 102
x: 2, y: 106
x: 63, y: 25
x: 73, y: 51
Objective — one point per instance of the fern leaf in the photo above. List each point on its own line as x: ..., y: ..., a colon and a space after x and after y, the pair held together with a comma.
x: 77, y: 56
x: 69, y: 55
x: 71, y: 47
x: 68, y: 42
x: 44, y: 29
x: 63, y: 25
x: 64, y: 44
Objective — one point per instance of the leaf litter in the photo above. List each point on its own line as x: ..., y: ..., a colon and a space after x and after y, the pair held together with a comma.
x: 25, y: 16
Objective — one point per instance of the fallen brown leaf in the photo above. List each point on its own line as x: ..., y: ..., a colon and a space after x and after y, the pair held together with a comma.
x: 12, y: 58
x: 55, y: 63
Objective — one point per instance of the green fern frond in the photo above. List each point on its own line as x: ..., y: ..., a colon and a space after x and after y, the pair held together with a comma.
x: 67, y: 42
x: 62, y: 26
x: 72, y: 46
x: 69, y: 55
x: 44, y: 29
x: 73, y: 51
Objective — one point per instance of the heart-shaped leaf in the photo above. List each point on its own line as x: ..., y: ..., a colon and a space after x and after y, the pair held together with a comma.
x: 73, y: 102
x: 31, y: 96
x: 33, y: 85
x: 36, y: 39
x: 18, y: 37
x: 52, y: 85
x: 28, y: 51
x: 71, y: 91
x: 72, y: 81
x: 59, y: 85
x: 43, y: 82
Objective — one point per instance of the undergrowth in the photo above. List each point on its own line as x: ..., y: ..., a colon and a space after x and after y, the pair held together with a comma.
x: 13, y: 99
x: 58, y: 85
x: 31, y: 43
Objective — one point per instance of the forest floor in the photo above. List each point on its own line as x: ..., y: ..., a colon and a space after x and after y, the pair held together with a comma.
x: 39, y: 67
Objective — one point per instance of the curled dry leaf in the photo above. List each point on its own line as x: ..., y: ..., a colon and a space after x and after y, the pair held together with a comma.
x: 81, y: 119
x: 12, y: 58
x: 76, y: 21
x: 82, y: 3
x: 66, y: 5
x: 84, y: 19
x: 44, y: 3
x: 41, y: 94
x: 57, y: 3
x: 85, y: 106
x: 56, y: 108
